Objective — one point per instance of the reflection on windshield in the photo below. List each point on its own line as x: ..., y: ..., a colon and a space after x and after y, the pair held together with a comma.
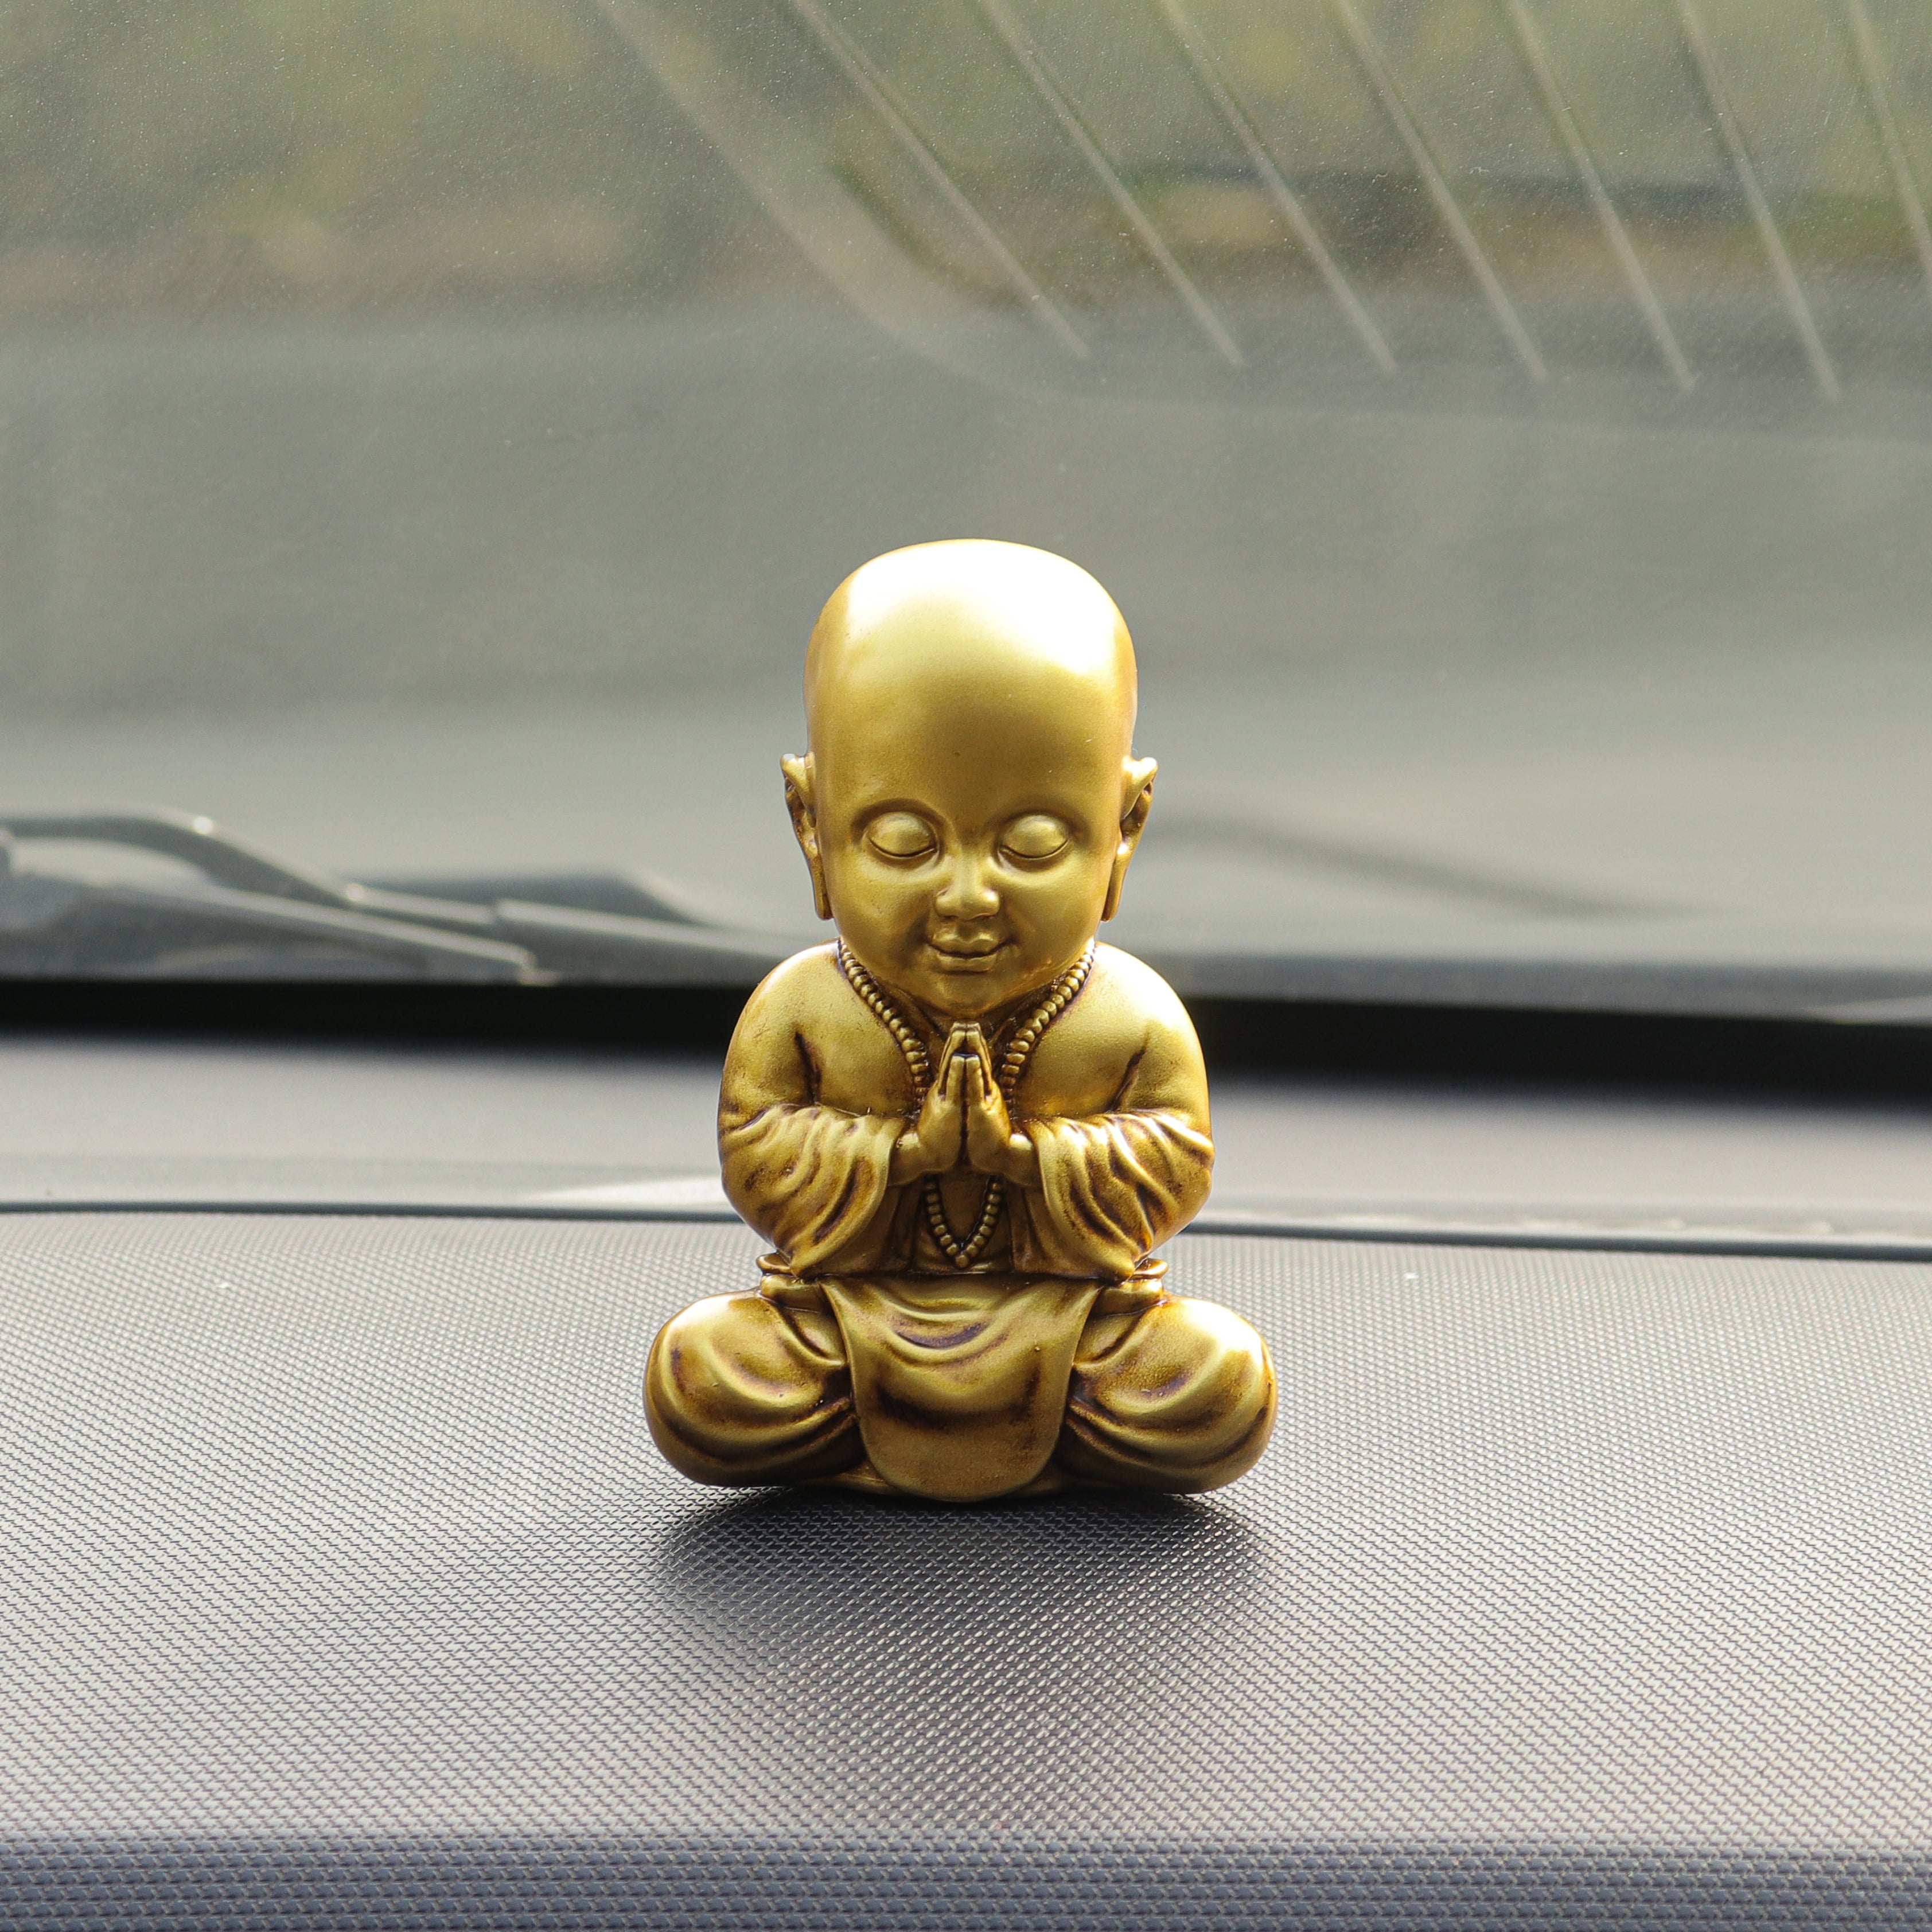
x: 428, y: 431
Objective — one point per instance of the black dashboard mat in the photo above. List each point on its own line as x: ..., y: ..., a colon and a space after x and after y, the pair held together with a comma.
x: 340, y: 1585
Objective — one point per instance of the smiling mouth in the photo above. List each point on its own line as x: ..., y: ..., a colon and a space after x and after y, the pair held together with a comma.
x: 976, y: 958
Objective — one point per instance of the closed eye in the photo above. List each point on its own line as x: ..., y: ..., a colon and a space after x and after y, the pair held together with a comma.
x: 1038, y: 835
x: 900, y: 835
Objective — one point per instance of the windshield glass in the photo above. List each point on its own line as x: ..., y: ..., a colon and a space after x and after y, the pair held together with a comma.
x: 430, y: 430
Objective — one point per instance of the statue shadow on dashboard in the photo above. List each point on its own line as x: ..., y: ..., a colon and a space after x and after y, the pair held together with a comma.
x: 887, y: 1657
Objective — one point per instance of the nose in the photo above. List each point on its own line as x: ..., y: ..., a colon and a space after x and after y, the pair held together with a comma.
x: 968, y: 891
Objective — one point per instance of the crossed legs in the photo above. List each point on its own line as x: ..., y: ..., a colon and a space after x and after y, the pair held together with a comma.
x: 1166, y: 1394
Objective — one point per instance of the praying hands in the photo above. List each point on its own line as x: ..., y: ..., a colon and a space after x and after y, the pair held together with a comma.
x: 963, y: 1121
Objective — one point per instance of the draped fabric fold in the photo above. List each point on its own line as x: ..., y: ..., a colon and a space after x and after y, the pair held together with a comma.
x: 961, y: 1384
x: 1110, y: 1190
x: 810, y: 1179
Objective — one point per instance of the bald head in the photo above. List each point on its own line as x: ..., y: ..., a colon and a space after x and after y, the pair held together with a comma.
x: 977, y: 623
x: 970, y: 800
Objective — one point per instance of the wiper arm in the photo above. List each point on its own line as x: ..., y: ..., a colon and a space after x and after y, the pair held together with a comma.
x: 250, y: 915
x: 247, y: 916
x: 226, y: 861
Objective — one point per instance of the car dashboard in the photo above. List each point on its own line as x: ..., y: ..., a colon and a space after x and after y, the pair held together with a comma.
x: 1583, y: 1583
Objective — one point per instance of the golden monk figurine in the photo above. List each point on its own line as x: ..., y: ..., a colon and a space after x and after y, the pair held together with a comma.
x: 964, y: 1126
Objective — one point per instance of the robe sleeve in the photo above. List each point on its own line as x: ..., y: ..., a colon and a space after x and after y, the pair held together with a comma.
x: 810, y: 1179
x: 1113, y: 1187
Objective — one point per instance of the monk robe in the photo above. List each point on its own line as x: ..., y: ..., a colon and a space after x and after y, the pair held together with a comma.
x: 867, y: 1357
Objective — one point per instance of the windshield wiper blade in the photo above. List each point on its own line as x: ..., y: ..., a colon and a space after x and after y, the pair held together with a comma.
x: 66, y: 928
x: 250, y: 915
x: 51, y: 926
x: 199, y: 841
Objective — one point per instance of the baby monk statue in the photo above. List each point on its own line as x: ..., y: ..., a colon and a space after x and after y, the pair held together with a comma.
x: 964, y: 1126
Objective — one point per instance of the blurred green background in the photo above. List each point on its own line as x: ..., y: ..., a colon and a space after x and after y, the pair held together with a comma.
x: 428, y: 427
x: 188, y: 155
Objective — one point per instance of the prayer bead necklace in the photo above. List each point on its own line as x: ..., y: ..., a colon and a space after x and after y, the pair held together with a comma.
x: 1019, y: 1051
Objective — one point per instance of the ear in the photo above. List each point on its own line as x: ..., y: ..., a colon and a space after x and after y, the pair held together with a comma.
x: 1137, y: 801
x: 800, y: 781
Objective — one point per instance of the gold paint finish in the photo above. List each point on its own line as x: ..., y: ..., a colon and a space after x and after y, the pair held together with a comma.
x: 965, y: 1127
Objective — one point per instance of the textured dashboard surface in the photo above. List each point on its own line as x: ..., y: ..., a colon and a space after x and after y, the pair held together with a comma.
x: 342, y: 1586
